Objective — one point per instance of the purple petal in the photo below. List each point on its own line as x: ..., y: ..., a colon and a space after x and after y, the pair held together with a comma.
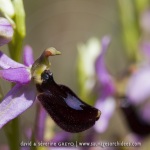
x: 61, y: 137
x: 107, y: 108
x: 105, y: 43
x: 20, y: 98
x: 25, y: 148
x: 145, y: 47
x: 6, y: 31
x: 4, y: 147
x: 145, y: 21
x: 28, y: 56
x: 138, y: 88
x: 18, y: 75
x: 40, y: 125
x: 6, y: 62
x: 65, y: 147
x: 104, y: 77
x: 145, y: 112
x: 28, y: 132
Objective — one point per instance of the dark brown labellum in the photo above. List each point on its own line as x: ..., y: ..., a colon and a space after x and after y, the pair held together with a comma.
x: 66, y: 109
x: 135, y: 122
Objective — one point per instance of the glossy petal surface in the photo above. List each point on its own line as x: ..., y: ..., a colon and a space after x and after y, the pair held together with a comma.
x: 135, y: 122
x: 20, y: 98
x: 18, y: 75
x: 66, y: 109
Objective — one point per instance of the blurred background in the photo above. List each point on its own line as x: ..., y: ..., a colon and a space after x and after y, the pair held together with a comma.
x: 64, y: 24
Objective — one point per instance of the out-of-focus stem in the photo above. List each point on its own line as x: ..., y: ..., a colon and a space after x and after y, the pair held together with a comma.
x: 39, y: 127
x: 141, y: 5
x: 12, y: 133
x: 130, y: 28
x: 40, y: 122
x: 1, y: 93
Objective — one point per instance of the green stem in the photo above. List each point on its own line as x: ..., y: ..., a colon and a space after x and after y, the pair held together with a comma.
x: 16, y: 49
x: 16, y: 129
x: 12, y: 133
x: 33, y: 137
x: 141, y: 5
x: 1, y: 93
x: 33, y: 140
x: 130, y: 28
x: 12, y: 129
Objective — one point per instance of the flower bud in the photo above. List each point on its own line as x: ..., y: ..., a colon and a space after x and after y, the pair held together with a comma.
x: 6, y: 31
x: 7, y: 8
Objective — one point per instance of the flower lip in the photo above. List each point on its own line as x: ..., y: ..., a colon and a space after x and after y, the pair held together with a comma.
x: 77, y: 115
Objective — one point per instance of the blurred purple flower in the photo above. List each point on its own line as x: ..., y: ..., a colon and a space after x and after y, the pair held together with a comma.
x: 145, y: 49
x: 145, y: 112
x: 40, y: 124
x: 145, y: 21
x: 107, y: 107
x: 64, y: 148
x: 6, y: 31
x: 104, y: 78
x: 61, y: 137
x: 138, y: 87
x: 138, y: 91
x: 136, y: 123
x: 4, y: 147
x: 105, y: 103
x: 23, y: 94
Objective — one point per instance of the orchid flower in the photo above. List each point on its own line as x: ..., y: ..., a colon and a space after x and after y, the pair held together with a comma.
x: 138, y: 87
x: 91, y: 63
x: 87, y: 54
x: 6, y: 7
x: 136, y: 104
x: 23, y: 94
x: 105, y: 102
x: 53, y: 97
